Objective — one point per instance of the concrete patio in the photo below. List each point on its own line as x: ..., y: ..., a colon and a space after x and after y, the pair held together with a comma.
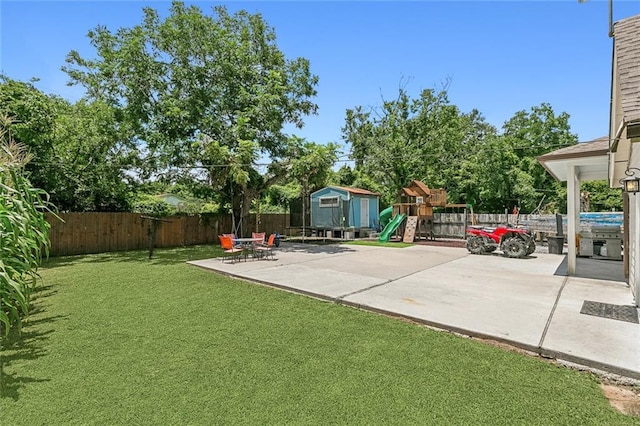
x: 529, y: 303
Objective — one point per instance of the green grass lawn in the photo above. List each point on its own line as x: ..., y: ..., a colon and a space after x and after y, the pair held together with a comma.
x: 118, y: 339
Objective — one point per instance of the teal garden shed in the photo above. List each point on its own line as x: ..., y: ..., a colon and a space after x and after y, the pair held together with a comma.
x: 336, y: 208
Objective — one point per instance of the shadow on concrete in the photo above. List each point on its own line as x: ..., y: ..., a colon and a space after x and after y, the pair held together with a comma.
x: 314, y: 248
x: 597, y: 269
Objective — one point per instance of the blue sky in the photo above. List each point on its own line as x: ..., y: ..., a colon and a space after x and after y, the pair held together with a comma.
x: 499, y: 57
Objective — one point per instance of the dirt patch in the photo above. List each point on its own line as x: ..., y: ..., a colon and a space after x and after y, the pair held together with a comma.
x: 623, y: 393
x: 625, y: 399
x: 506, y: 346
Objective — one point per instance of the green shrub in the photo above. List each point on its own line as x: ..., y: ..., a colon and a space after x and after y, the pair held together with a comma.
x: 210, y: 208
x: 23, y: 233
x: 152, y: 206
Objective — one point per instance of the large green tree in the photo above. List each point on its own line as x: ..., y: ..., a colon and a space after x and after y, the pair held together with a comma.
x: 32, y: 124
x: 80, y: 152
x: 93, y: 156
x: 196, y: 88
x: 489, y: 174
x: 425, y: 138
x: 530, y: 134
x: 305, y: 167
x: 430, y: 139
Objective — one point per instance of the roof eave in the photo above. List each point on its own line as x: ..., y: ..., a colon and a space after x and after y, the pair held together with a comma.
x: 552, y: 157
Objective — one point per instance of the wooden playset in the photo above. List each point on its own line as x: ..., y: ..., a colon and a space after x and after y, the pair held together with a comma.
x: 417, y: 201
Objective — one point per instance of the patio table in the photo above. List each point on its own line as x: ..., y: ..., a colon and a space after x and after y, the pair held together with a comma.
x: 247, y: 243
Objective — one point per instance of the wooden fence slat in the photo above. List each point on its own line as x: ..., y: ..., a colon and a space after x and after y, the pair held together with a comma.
x: 82, y: 233
x: 92, y: 232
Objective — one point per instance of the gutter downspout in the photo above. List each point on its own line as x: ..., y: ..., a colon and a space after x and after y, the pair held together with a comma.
x: 617, y: 136
x: 610, y: 18
x: 611, y: 139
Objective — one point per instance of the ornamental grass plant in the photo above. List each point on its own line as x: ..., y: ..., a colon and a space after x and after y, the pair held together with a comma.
x: 23, y: 232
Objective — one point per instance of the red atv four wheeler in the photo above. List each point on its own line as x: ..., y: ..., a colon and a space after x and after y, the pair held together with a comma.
x: 513, y: 241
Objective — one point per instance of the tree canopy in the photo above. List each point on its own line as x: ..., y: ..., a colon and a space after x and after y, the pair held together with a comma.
x: 199, y: 91
x: 430, y: 139
x: 79, y: 152
x: 198, y: 101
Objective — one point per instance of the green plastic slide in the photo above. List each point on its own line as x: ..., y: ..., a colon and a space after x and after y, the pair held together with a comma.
x: 385, y: 216
x: 391, y: 227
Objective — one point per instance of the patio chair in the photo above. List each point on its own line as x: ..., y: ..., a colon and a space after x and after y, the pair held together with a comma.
x: 234, y: 244
x: 229, y: 249
x: 261, y: 235
x: 257, y: 236
x: 266, y: 249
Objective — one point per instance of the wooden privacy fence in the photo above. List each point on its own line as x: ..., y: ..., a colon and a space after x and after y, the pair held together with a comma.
x: 83, y: 233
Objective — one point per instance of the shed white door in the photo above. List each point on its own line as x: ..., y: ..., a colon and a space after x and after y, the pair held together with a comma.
x: 364, y: 212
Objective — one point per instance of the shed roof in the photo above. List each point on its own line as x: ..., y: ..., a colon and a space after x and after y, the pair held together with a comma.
x: 359, y: 191
x: 627, y: 49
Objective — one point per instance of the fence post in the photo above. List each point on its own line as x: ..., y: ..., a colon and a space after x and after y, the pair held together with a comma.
x: 464, y: 227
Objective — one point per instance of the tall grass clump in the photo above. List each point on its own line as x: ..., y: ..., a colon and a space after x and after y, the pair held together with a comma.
x: 23, y: 232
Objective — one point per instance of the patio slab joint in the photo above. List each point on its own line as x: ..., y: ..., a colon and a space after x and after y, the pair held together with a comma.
x: 553, y: 310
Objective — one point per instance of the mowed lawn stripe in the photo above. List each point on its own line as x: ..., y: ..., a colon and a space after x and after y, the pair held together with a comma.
x: 119, y: 339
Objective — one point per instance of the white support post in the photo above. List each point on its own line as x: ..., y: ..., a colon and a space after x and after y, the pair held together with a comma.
x: 573, y: 216
x: 634, y: 240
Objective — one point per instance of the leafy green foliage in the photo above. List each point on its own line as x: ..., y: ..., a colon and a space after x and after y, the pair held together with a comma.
x: 531, y: 134
x: 344, y: 176
x: 425, y: 138
x: 282, y: 195
x: 305, y: 167
x: 33, y: 123
x: 206, y: 91
x: 153, y: 206
x: 23, y: 233
x: 310, y: 163
x: 601, y: 197
x: 429, y: 139
x: 92, y: 154
x: 191, y: 73
x: 79, y: 151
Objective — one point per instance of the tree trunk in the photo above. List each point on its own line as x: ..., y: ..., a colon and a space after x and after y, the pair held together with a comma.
x: 236, y: 208
x: 248, y: 195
